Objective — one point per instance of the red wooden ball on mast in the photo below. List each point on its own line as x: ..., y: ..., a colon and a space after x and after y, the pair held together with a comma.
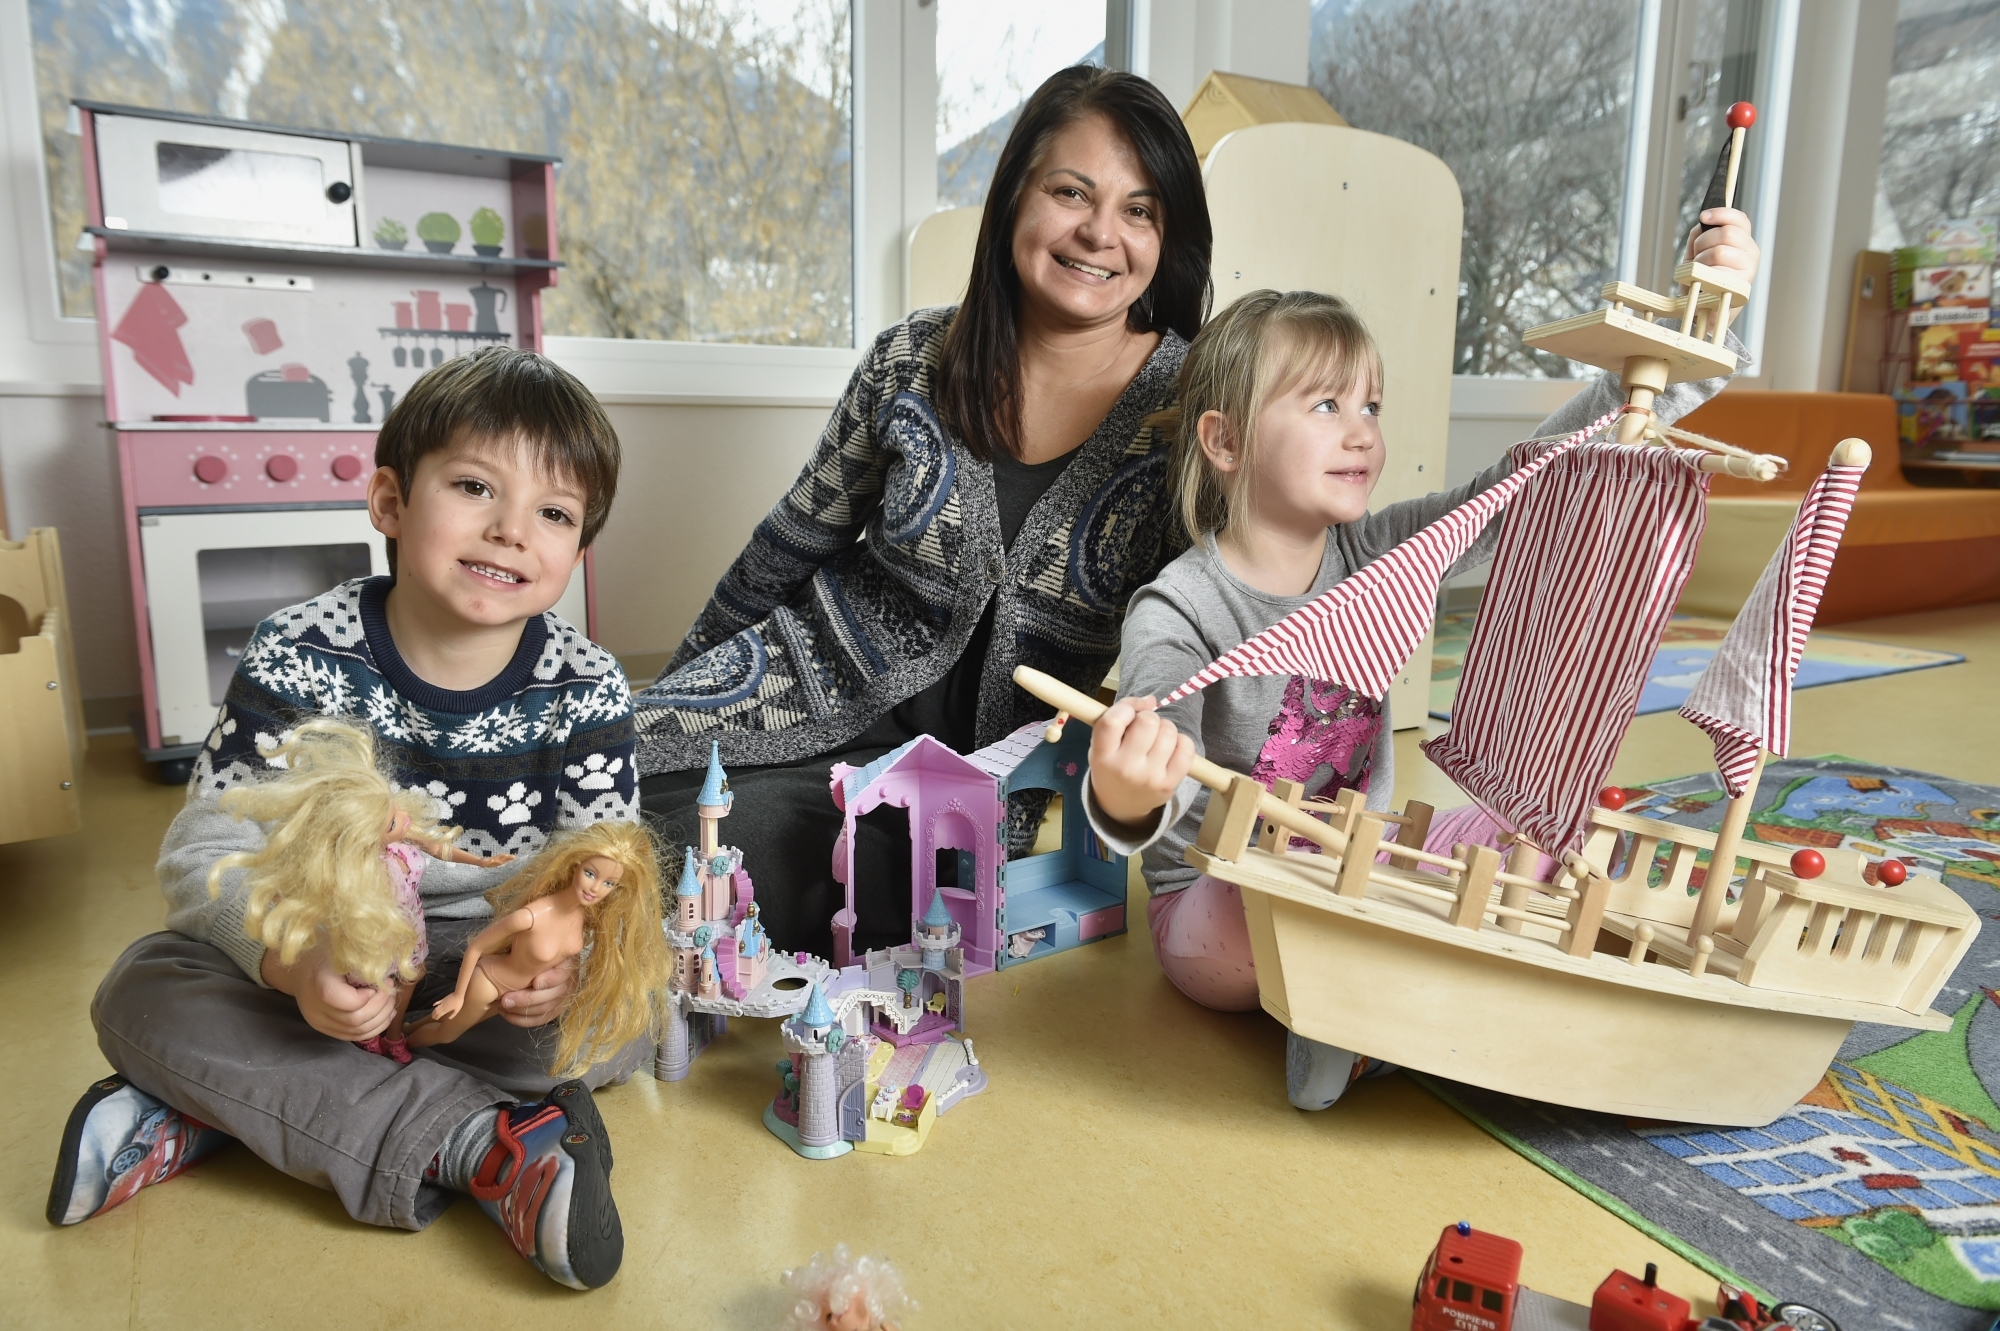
x: 1741, y: 116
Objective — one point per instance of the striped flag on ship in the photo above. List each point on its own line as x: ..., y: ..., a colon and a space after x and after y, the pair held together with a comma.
x: 1361, y: 632
x: 1586, y: 577
x: 1744, y: 699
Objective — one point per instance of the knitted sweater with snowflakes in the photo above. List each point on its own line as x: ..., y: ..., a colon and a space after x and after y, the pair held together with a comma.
x: 546, y: 744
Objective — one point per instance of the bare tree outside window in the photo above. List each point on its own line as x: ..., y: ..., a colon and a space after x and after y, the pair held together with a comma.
x: 706, y: 192
x: 990, y: 57
x: 1529, y: 103
x: 1941, y: 140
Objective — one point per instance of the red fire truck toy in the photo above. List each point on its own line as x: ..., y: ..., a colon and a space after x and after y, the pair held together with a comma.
x: 1472, y: 1282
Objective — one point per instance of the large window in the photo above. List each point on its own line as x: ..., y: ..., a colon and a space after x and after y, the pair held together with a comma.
x: 1941, y: 141
x: 1530, y: 105
x: 990, y: 57
x: 706, y: 192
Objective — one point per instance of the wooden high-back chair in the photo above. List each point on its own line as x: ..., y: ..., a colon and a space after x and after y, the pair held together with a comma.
x: 41, y: 712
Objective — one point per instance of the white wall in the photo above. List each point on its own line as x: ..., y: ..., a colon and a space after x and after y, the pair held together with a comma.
x: 1176, y: 43
x: 1833, y: 144
x: 696, y: 480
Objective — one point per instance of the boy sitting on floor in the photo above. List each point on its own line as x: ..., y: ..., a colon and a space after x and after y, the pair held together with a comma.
x: 493, y: 476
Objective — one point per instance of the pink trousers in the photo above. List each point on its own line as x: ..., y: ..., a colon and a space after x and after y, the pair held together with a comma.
x: 1203, y: 941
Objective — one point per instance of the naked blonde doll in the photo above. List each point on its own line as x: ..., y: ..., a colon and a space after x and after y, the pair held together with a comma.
x: 340, y: 863
x: 594, y: 894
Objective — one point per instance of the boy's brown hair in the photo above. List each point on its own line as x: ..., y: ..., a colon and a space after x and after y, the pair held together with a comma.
x: 507, y: 395
x: 1259, y: 348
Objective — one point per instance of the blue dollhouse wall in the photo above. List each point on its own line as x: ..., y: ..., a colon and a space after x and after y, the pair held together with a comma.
x: 1075, y: 893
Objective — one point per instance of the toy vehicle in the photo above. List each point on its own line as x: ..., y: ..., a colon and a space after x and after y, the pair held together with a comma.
x: 1472, y: 1282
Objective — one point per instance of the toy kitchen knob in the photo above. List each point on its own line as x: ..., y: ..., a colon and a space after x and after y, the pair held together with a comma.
x: 210, y: 469
x: 346, y: 467
x: 281, y: 467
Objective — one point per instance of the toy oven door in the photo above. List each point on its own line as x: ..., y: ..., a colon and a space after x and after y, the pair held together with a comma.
x: 210, y: 577
x: 213, y: 182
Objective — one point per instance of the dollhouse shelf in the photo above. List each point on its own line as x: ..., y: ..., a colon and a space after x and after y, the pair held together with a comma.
x: 348, y: 256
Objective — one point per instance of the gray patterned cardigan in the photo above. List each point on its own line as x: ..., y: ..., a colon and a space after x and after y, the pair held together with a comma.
x: 862, y: 587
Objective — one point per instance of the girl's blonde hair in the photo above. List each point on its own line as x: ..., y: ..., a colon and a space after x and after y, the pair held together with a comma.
x: 1261, y: 347
x: 319, y: 875
x: 623, y: 971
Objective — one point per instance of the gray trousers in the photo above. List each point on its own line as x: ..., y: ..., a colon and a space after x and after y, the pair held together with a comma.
x: 184, y: 1024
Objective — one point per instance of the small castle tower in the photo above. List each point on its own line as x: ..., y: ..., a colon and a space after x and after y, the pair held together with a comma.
x: 687, y: 898
x: 713, y: 803
x: 710, y: 983
x: 936, y: 934
x: 686, y: 918
x: 807, y: 1037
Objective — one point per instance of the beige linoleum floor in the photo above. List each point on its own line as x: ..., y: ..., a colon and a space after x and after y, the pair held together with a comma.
x: 1134, y: 1164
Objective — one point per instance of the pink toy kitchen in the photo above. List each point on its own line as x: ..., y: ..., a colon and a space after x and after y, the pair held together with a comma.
x: 265, y: 297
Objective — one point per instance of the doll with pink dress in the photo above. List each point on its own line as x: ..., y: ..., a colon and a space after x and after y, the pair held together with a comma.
x: 341, y: 864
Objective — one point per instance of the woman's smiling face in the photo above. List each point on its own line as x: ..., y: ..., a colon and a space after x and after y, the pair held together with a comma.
x: 1087, y: 234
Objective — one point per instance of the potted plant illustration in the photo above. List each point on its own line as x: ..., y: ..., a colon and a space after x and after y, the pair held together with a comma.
x: 391, y: 234
x: 487, y: 233
x: 438, y: 231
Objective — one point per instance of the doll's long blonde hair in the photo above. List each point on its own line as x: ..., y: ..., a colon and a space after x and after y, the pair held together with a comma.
x: 319, y: 876
x: 623, y: 972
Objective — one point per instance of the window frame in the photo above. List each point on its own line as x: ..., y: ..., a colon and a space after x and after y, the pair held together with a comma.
x: 893, y: 47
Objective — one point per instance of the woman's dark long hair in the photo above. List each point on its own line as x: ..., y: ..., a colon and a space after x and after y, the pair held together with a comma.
x: 978, y: 391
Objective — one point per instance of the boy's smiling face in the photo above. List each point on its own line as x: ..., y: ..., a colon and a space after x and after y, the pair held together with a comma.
x: 485, y: 538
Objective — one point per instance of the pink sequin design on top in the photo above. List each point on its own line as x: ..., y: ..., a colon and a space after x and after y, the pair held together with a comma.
x: 1323, y: 737
x: 405, y: 864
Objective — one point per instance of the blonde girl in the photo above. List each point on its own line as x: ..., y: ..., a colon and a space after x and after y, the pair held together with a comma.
x: 341, y: 862
x: 1277, y: 447
x: 592, y: 893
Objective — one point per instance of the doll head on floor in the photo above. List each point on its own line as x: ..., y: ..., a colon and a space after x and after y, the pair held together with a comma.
x: 320, y: 875
x: 611, y: 869
x: 846, y: 1294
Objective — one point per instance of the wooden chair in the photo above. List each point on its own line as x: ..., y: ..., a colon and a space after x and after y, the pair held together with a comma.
x: 41, y: 711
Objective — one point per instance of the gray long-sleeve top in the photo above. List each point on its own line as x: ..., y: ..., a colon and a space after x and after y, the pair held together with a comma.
x: 1197, y: 609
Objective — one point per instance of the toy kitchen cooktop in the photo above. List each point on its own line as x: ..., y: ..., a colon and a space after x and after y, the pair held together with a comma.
x: 264, y: 296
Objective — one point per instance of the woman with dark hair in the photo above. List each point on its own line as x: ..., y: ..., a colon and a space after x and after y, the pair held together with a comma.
x: 987, y: 494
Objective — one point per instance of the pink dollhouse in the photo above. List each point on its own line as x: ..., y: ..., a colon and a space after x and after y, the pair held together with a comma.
x: 1007, y: 911
x: 957, y: 819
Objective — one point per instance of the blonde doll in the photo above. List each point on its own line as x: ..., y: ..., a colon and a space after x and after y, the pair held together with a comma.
x: 592, y: 893
x: 341, y: 862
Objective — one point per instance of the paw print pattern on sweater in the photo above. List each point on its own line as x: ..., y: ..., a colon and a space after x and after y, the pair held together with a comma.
x: 516, y: 805
x: 444, y: 800
x: 595, y: 772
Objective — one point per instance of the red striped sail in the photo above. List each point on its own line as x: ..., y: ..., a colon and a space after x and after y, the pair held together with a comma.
x: 1363, y: 630
x: 1588, y: 570
x: 1744, y: 699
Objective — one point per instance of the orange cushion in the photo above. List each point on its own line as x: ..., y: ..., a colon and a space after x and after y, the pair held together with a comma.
x: 1802, y: 428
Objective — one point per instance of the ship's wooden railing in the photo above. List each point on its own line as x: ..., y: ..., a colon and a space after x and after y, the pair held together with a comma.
x: 1836, y: 935
x: 1472, y: 883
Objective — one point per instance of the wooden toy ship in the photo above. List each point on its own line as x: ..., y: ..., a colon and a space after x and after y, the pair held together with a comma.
x: 1723, y: 1005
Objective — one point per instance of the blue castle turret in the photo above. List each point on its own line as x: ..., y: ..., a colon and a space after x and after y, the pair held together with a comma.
x: 935, y: 934
x: 817, y: 1016
x: 715, y: 786
x: 687, y: 897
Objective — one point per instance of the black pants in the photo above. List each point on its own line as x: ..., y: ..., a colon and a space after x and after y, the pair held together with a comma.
x: 785, y: 822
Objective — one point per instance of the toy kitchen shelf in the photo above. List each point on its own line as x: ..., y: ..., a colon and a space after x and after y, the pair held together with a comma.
x: 265, y: 295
